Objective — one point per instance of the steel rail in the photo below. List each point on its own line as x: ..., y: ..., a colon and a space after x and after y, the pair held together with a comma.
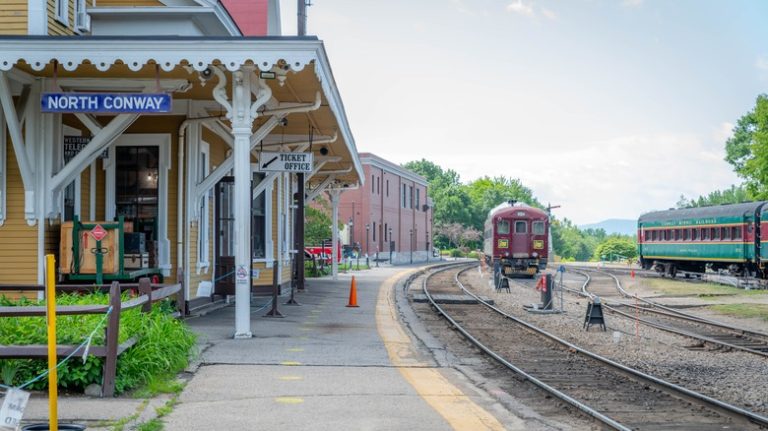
x: 676, y: 314
x: 560, y: 395
x: 681, y: 391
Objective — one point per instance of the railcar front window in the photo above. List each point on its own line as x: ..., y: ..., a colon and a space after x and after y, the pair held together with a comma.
x: 502, y: 227
x: 538, y: 228
x: 521, y: 227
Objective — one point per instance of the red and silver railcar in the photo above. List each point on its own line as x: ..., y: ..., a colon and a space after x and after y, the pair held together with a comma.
x: 516, y: 239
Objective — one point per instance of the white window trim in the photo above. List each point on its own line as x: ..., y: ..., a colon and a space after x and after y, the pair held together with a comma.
x: 203, y: 242
x: 80, y: 5
x: 63, y: 19
x: 70, y: 131
x: 269, y: 243
x: 163, y: 141
x: 3, y: 171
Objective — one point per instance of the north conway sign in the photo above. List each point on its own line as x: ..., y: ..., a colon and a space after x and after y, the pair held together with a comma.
x: 106, y: 103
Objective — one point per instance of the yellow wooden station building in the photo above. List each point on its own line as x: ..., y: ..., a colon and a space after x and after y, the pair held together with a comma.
x: 152, y: 119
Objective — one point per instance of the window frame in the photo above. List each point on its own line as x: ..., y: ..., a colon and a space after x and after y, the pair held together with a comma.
x: 61, y: 10
x: 3, y: 168
x: 204, y: 208
x: 267, y: 196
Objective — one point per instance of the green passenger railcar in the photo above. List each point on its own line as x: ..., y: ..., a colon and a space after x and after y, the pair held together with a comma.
x: 694, y: 239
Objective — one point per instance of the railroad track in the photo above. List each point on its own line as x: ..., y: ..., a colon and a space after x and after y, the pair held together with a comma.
x: 619, y: 397
x: 675, y: 321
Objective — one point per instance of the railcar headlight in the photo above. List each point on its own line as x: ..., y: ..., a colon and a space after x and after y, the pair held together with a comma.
x: 535, y: 254
x: 506, y: 253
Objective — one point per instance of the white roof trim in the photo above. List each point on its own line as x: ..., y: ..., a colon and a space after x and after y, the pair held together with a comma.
x: 216, y: 11
x: 387, y: 166
x: 168, y: 52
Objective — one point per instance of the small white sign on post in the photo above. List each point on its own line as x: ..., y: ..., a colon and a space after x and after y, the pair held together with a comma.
x: 241, y: 275
x: 13, y: 409
x: 286, y: 162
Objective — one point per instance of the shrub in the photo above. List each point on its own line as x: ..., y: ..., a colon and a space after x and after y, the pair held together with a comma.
x: 163, y: 344
x: 456, y: 253
x: 473, y: 255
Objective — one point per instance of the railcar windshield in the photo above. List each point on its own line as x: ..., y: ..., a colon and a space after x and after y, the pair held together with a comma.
x: 538, y: 228
x: 502, y: 227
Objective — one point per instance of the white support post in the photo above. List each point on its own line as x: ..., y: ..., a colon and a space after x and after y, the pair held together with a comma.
x: 19, y: 146
x: 334, y: 194
x: 242, y: 114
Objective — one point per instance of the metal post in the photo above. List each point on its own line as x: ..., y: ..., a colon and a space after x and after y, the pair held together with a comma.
x: 242, y: 124
x: 335, y: 232
x: 53, y: 378
x: 300, y: 231
x: 390, y: 246
x: 302, y: 17
x: 367, y: 243
x: 275, y: 287
x: 410, y: 241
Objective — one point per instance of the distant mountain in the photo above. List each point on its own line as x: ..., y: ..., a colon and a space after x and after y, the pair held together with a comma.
x: 614, y: 225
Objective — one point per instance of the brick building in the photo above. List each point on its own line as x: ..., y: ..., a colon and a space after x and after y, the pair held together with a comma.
x: 392, y: 212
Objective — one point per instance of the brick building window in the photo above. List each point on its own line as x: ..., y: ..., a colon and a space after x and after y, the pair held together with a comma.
x: 404, y: 197
x: 387, y: 188
x: 418, y: 199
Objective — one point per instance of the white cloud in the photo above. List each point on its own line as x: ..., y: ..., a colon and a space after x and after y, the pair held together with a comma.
x: 549, y: 13
x: 632, y: 3
x: 521, y: 8
x: 722, y: 133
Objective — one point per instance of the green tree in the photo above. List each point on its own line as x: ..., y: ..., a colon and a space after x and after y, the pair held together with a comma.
x: 615, y: 246
x: 486, y: 193
x: 733, y: 195
x: 747, y: 149
x: 317, y: 222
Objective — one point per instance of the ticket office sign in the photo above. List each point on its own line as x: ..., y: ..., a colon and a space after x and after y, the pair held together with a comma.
x: 286, y: 162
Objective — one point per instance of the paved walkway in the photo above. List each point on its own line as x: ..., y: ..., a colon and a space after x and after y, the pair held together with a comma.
x: 325, y: 367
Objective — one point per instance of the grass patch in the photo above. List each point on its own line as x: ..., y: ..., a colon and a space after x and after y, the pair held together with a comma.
x: 164, y: 384
x: 674, y: 287
x: 153, y: 425
x: 743, y: 310
x: 163, y: 347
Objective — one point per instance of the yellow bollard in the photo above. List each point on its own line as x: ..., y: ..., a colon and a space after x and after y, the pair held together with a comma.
x: 53, y: 378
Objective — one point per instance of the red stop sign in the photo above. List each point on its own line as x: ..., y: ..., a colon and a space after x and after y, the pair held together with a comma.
x: 98, y: 233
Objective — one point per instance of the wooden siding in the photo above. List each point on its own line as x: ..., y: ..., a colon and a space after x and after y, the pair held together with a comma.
x: 194, y: 277
x: 18, y: 253
x: 56, y: 28
x: 13, y: 17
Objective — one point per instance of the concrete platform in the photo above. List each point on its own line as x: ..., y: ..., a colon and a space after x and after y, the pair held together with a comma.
x: 325, y: 366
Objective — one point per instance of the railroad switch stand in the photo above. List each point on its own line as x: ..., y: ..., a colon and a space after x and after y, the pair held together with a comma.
x: 594, y: 314
x: 503, y: 284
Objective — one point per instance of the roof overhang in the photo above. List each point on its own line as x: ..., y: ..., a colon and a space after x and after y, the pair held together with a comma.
x: 207, y: 17
x: 175, y: 57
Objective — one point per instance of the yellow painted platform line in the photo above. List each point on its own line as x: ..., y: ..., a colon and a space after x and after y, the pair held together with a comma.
x: 290, y: 378
x: 290, y: 363
x: 289, y: 400
x: 457, y: 409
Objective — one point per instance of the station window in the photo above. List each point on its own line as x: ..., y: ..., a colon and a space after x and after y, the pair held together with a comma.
x: 502, y: 227
x: 538, y: 228
x: 258, y: 221
x: 521, y: 226
x: 715, y: 233
x: 62, y: 11
x: 725, y: 233
x: 736, y: 232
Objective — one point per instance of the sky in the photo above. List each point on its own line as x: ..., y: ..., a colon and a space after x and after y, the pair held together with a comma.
x: 609, y: 108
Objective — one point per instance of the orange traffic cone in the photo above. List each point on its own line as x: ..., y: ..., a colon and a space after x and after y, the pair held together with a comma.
x: 353, y: 294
